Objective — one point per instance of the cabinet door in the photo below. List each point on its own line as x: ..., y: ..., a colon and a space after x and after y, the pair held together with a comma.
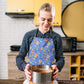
x: 20, y: 6
x: 56, y: 3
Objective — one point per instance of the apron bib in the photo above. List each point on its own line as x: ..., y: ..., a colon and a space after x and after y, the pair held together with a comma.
x: 41, y: 52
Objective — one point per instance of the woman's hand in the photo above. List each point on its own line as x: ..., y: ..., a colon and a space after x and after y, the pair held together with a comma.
x: 55, y: 73
x: 28, y: 72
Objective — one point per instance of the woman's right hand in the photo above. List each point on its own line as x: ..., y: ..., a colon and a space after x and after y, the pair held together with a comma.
x: 28, y: 72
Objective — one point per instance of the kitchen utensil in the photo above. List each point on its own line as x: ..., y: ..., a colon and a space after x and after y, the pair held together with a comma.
x: 41, y: 74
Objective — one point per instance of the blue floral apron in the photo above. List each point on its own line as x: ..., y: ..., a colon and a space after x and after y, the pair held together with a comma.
x: 42, y: 51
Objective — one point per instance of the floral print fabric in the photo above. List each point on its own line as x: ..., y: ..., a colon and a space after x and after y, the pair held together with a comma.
x: 41, y: 52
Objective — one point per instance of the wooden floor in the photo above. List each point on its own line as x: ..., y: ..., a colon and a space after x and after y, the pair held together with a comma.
x: 20, y: 81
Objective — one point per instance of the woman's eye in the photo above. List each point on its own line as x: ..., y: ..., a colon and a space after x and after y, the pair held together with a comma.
x: 43, y: 19
x: 49, y: 20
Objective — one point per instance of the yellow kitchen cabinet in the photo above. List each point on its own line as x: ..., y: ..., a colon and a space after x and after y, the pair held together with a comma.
x: 32, y: 6
x: 22, y: 6
x: 58, y: 10
x: 76, y: 67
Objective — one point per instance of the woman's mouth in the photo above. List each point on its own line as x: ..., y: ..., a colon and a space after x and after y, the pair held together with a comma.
x: 46, y: 26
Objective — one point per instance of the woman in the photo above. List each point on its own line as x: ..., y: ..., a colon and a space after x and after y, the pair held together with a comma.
x: 43, y: 45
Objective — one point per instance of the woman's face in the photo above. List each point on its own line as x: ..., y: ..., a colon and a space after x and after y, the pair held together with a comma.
x: 45, y: 19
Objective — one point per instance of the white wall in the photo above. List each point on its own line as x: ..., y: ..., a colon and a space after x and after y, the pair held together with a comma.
x: 12, y: 31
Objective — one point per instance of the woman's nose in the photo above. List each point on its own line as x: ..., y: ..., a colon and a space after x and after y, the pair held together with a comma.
x: 46, y: 21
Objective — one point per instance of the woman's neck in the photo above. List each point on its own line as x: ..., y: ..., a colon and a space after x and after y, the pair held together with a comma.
x: 43, y: 30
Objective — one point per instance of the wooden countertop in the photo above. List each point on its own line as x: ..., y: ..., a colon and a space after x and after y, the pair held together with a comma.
x: 15, y: 53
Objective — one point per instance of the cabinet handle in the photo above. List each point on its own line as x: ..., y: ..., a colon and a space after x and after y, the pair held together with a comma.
x: 19, y: 10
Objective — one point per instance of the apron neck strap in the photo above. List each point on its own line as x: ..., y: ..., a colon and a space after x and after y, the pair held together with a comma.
x: 36, y: 33
x: 38, y: 30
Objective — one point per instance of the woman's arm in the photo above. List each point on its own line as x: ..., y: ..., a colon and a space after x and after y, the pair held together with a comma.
x: 59, y: 54
x: 20, y: 59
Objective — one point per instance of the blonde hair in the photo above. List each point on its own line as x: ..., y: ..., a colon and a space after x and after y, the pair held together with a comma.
x: 48, y: 7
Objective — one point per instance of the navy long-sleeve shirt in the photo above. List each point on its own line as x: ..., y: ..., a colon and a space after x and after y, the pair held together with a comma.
x: 28, y: 37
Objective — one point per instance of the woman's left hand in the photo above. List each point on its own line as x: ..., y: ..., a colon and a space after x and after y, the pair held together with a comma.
x: 55, y: 73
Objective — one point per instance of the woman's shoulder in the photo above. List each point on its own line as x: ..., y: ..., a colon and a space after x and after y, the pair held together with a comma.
x: 30, y: 33
x: 56, y: 35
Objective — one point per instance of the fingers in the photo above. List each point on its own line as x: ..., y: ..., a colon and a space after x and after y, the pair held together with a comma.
x: 27, y: 66
x: 55, y: 76
x: 28, y: 77
x: 55, y: 73
x: 28, y: 72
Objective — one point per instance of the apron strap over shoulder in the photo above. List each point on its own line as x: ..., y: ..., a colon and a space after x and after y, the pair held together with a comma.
x: 38, y: 30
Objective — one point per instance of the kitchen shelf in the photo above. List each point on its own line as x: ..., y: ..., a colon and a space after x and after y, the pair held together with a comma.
x: 82, y: 65
x: 20, y: 15
x: 76, y: 67
x: 74, y: 76
x: 81, y: 76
